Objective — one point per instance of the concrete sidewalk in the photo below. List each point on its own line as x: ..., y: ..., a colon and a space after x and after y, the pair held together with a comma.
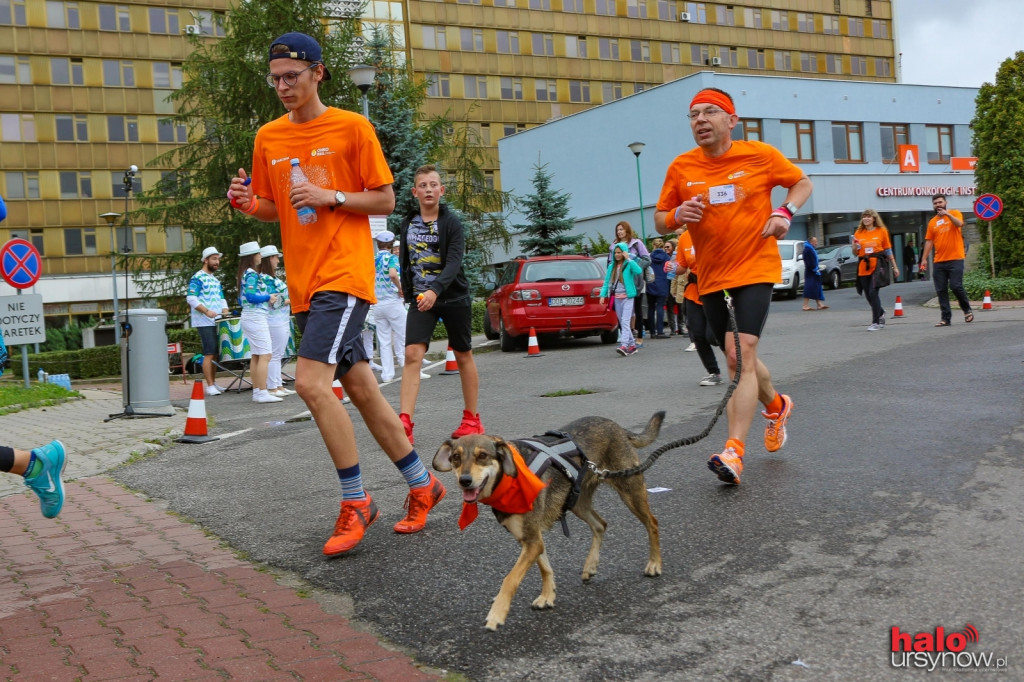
x: 118, y: 588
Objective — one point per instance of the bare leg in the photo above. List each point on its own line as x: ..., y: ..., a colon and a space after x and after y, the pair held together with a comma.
x: 467, y: 374
x: 411, y: 377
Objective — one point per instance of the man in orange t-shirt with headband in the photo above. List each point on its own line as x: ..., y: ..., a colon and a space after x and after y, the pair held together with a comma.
x: 331, y: 273
x: 720, y: 192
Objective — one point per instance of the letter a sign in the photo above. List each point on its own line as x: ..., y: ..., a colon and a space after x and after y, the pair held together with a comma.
x: 908, y: 158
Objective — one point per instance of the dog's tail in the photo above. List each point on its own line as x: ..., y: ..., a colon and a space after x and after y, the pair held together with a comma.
x: 650, y: 433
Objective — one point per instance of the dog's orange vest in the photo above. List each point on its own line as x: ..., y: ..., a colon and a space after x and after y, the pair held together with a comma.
x: 512, y: 495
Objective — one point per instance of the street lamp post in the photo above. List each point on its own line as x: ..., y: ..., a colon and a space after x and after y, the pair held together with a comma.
x: 111, y: 218
x: 363, y: 75
x: 636, y: 148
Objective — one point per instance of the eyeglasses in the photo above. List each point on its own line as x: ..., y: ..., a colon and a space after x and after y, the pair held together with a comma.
x: 707, y: 113
x: 290, y: 78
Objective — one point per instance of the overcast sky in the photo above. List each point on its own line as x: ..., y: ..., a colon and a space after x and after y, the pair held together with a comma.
x: 957, y: 42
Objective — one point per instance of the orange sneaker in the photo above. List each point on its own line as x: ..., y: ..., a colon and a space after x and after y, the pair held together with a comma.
x: 419, y: 502
x: 775, y: 431
x: 470, y: 424
x: 354, y: 519
x: 407, y: 424
x: 727, y: 466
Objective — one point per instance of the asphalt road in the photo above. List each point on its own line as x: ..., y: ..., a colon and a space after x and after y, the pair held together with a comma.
x: 897, y: 502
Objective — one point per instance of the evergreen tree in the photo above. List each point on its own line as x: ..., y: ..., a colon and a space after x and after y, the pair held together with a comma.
x: 547, y: 210
x: 998, y: 127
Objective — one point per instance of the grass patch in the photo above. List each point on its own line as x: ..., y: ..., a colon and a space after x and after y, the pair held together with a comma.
x: 560, y: 394
x: 15, y: 397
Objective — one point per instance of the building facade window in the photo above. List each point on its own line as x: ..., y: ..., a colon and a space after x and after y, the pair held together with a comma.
x: 611, y: 92
x: 508, y: 42
x: 783, y: 61
x: 22, y: 185
x: 12, y: 13
x: 544, y: 44
x: 747, y: 129
x: 879, y: 29
x: 75, y: 185
x: 122, y: 128
x: 636, y: 9
x: 808, y: 62
x: 833, y: 63
x: 64, y: 71
x: 511, y: 88
x: 893, y: 135
x: 855, y: 27
x: 15, y: 69
x: 134, y: 237
x: 858, y: 66
x: 475, y: 86
x: 798, y: 140
x: 725, y: 15
x: 604, y: 8
x: 607, y: 48
x: 504, y: 3
x: 438, y: 85
x: 805, y: 22
x: 165, y: 21
x: 847, y: 142
x: 118, y: 73
x: 882, y: 67
x: 167, y: 75
x: 780, y: 20
x: 939, y: 143
x: 435, y: 38
x: 62, y: 14
x: 177, y: 239
x: 18, y: 127
x: 698, y: 12
x: 541, y: 5
x: 572, y: 6
x: 546, y: 90
x: 752, y: 17
x: 667, y: 10
x: 115, y: 18
x: 699, y: 54
x: 755, y: 59
x: 72, y: 128
x: 576, y: 46
x: 830, y: 25
x: 468, y: 2
x: 34, y: 236
x: 80, y: 241
x: 640, y: 50
x: 471, y: 39
x: 671, y: 53
x: 169, y: 131
x: 579, y: 91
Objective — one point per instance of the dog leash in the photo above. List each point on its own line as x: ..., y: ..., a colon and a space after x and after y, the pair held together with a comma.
x: 682, y: 442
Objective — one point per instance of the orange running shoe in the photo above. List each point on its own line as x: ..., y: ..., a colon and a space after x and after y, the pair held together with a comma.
x: 775, y: 431
x: 419, y: 502
x: 354, y: 519
x: 470, y: 424
x: 407, y: 424
x: 727, y: 466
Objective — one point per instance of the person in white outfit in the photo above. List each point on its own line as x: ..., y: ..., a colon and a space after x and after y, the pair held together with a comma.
x: 279, y: 319
x: 206, y: 299
x: 389, y: 311
x: 256, y: 301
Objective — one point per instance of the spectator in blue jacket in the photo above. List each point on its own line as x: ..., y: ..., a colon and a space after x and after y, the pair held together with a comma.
x: 657, y: 292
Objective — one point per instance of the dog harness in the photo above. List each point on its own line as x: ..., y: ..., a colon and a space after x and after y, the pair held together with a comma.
x: 533, y: 457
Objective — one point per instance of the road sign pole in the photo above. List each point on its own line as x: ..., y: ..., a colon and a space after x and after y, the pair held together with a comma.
x: 24, y: 361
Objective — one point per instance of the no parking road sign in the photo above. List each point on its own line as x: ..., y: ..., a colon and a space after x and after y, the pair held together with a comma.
x: 20, y: 263
x: 988, y: 207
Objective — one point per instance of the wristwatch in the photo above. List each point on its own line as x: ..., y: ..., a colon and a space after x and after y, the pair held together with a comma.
x: 791, y: 207
x: 339, y: 198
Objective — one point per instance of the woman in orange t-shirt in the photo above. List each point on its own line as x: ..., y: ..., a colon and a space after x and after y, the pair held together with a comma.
x: 870, y: 242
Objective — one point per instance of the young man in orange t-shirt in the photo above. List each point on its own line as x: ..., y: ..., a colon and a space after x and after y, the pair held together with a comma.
x: 945, y: 236
x: 331, y: 273
x: 720, y: 192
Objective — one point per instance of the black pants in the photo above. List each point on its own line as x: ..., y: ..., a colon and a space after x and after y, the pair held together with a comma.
x: 700, y: 334
x: 871, y: 293
x: 946, y: 275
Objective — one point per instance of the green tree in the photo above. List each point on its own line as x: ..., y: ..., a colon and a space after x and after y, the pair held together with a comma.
x: 998, y: 127
x: 547, y: 210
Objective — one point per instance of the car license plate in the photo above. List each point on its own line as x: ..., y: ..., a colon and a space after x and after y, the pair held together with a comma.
x: 565, y: 300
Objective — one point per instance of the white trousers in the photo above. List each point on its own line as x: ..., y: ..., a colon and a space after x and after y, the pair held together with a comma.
x: 278, y: 344
x: 390, y: 317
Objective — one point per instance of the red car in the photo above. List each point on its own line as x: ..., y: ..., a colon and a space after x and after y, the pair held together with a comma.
x: 551, y: 294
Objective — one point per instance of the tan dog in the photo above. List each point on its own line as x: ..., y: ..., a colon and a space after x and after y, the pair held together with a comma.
x: 480, y: 462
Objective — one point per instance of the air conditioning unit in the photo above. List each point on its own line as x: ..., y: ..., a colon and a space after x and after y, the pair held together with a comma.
x: 192, y: 29
x: 716, y: 61
x: 684, y: 16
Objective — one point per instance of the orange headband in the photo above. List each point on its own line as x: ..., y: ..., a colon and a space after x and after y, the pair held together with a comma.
x: 714, y: 97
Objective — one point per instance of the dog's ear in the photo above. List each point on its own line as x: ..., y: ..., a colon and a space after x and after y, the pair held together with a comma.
x: 504, y: 453
x: 443, y: 457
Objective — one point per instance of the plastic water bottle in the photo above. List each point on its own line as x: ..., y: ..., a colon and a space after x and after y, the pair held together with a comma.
x: 42, y: 375
x: 307, y: 214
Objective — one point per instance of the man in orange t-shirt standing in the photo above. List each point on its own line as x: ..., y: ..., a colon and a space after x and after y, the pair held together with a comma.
x: 945, y: 236
x: 720, y: 192
x: 331, y: 273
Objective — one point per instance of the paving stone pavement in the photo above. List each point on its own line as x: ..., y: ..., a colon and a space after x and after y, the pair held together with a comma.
x: 117, y: 588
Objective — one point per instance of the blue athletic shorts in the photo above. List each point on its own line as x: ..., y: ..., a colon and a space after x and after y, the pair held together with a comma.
x: 332, y: 330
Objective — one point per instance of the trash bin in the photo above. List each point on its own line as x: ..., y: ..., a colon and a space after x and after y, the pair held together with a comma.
x: 144, y: 383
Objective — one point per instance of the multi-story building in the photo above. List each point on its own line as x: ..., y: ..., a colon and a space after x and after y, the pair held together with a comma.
x: 84, y: 85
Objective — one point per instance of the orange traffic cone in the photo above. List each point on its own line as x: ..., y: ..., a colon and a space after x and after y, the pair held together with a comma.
x: 340, y: 392
x: 897, y: 310
x: 195, y: 424
x: 450, y: 364
x: 532, y: 347
x: 987, y: 303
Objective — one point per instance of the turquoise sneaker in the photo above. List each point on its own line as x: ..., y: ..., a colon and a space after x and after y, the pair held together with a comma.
x: 47, y: 484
